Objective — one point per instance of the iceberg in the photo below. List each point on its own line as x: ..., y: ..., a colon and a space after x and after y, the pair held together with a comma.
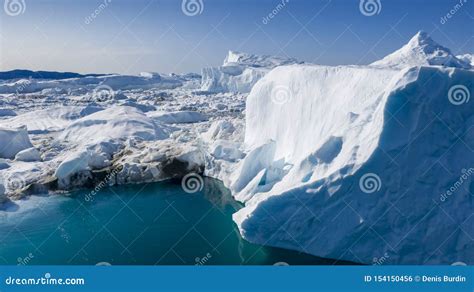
x: 467, y: 58
x: 240, y: 72
x: 345, y: 162
x: 422, y: 50
x: 378, y: 167
x: 13, y: 140
x: 94, y: 139
x: 109, y: 82
x: 50, y: 119
x: 181, y: 117
x: 114, y: 123
x: 28, y: 155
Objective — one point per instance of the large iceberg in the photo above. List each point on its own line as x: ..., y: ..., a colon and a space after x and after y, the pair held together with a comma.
x: 349, y: 162
x: 240, y: 72
x: 378, y: 167
x: 422, y: 50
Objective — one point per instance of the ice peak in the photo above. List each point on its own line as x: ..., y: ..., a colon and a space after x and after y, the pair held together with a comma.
x: 421, y: 50
x: 422, y: 39
x: 233, y: 57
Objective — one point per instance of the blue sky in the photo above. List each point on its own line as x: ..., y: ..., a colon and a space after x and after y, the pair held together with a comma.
x: 130, y: 36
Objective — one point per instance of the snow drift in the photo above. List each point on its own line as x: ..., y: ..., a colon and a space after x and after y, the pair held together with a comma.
x: 360, y: 171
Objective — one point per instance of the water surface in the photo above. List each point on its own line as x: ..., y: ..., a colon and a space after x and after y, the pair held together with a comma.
x: 149, y: 224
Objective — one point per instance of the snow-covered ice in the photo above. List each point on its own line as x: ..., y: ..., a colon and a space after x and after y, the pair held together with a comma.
x: 28, y: 155
x: 288, y: 140
x: 422, y: 50
x: 13, y: 141
x: 467, y: 58
x: 306, y: 180
x: 177, y: 117
x: 240, y: 72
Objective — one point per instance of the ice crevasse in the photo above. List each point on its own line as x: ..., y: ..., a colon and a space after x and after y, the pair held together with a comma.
x: 355, y: 163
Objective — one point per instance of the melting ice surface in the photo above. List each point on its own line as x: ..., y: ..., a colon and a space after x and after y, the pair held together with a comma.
x: 142, y: 224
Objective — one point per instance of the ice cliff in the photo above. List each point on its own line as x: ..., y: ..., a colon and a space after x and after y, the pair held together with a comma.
x: 362, y: 162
